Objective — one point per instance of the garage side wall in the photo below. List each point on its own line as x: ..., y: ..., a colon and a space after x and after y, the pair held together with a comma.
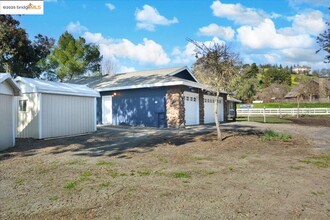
x: 6, y: 121
x: 28, y: 121
x: 63, y: 115
x: 137, y: 107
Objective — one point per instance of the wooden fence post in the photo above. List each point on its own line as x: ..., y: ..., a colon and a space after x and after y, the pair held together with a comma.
x: 264, y: 115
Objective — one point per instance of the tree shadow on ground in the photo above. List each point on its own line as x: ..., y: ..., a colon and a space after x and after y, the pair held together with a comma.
x: 121, y: 142
x: 104, y: 142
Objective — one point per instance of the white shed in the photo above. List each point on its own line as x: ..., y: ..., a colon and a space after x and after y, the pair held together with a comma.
x: 52, y: 109
x: 8, y: 89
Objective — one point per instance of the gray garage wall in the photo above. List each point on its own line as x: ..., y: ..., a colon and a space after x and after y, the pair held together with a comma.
x: 137, y: 107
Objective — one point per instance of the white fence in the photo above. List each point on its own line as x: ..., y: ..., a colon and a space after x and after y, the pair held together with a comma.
x: 282, y: 111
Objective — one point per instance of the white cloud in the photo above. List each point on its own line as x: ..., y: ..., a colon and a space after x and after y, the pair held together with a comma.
x: 309, y: 23
x: 186, y: 56
x: 147, y: 52
x: 110, y: 6
x: 312, y: 2
x: 126, y: 69
x: 218, y: 31
x: 76, y: 28
x: 149, y: 17
x: 265, y: 35
x: 238, y: 13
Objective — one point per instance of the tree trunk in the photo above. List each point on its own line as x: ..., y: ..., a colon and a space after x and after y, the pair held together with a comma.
x: 217, y: 124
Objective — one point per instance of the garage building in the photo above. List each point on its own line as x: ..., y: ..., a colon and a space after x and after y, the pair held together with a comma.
x: 52, y: 109
x: 170, y: 97
x: 8, y: 90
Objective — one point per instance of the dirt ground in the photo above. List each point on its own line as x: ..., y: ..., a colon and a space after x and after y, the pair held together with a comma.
x: 312, y: 121
x: 134, y: 173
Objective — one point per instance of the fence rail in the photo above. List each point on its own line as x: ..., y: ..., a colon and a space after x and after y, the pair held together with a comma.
x: 282, y: 111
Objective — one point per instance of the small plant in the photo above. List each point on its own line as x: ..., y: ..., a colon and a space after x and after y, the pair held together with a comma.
x: 322, y: 161
x: 164, y: 194
x: 318, y: 193
x: 210, y: 172
x: 296, y: 167
x: 85, y: 176
x: 105, y: 184
x: 144, y: 172
x: 270, y: 135
x: 182, y: 174
x: 76, y: 162
x: 160, y: 158
x: 53, y: 198
x: 230, y: 168
x: 198, y: 158
x: 19, y: 182
x: 115, y: 174
x: 102, y: 163
x: 244, y: 156
x: 71, y: 185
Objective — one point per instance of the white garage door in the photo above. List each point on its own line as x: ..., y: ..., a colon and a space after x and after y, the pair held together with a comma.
x: 107, y: 109
x: 191, y: 105
x: 209, y: 109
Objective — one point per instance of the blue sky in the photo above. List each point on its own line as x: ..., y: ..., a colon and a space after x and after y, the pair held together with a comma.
x: 142, y: 34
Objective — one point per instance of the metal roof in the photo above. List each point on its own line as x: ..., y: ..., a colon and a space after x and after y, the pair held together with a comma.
x: 7, y: 77
x: 29, y: 85
x: 140, y: 79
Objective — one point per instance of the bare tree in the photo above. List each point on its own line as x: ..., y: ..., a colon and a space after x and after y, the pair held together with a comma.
x: 216, y: 66
x: 109, y: 66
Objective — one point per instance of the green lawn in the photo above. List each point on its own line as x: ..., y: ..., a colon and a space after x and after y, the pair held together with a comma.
x: 290, y: 105
x: 268, y: 120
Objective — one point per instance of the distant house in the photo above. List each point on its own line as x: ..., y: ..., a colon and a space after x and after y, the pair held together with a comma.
x: 318, y: 88
x: 170, y: 97
x: 52, y: 109
x: 306, y: 70
x: 8, y: 90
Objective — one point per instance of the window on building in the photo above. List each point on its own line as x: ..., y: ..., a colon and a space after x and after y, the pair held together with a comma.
x: 22, y: 105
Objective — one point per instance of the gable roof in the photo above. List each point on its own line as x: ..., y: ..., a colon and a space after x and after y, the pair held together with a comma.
x: 140, y: 79
x: 7, y: 77
x: 326, y: 82
x: 29, y: 85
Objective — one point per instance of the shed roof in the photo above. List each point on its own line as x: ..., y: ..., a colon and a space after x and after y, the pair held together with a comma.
x: 231, y: 99
x: 29, y: 85
x: 6, y: 77
x: 140, y: 79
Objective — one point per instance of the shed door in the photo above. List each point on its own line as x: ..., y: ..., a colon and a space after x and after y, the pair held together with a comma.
x: 107, y: 109
x: 209, y: 109
x: 191, y: 105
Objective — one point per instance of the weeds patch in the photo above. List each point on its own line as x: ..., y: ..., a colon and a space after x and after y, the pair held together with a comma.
x: 103, y: 163
x: 159, y: 157
x: 19, y: 182
x: 76, y: 162
x: 182, y: 174
x: 85, y: 176
x: 105, y: 184
x: 270, y: 135
x: 322, y: 161
x: 144, y: 172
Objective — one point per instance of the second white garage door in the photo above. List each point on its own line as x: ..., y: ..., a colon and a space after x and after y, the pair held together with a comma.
x: 209, y: 109
x: 191, y: 105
